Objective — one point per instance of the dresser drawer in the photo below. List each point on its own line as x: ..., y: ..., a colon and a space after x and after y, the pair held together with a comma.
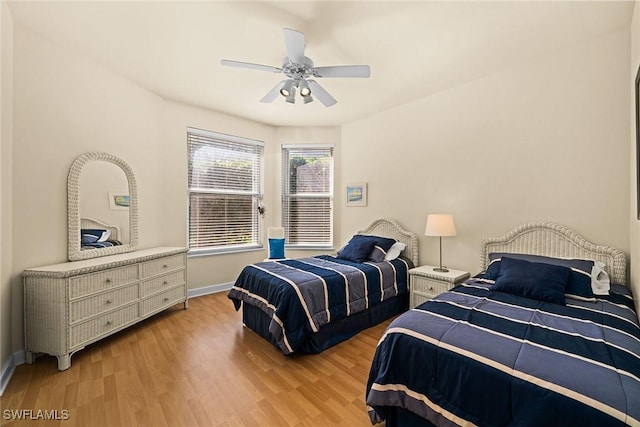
x: 162, y: 265
x: 163, y: 300
x: 90, y: 306
x: 429, y: 287
x: 160, y: 283
x: 91, y: 329
x: 417, y: 299
x: 102, y: 281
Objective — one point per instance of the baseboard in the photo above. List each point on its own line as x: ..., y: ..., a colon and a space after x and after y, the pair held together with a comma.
x: 211, y: 289
x: 16, y: 359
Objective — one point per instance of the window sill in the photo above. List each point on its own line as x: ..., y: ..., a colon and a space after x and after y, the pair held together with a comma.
x: 310, y: 248
x: 196, y: 253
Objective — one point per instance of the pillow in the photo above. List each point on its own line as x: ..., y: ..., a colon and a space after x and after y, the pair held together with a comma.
x: 276, y: 248
x: 357, y: 249
x: 600, y: 282
x: 580, y: 285
x: 544, y: 282
x: 395, y: 251
x: 87, y: 239
x: 382, y: 245
x: 100, y: 235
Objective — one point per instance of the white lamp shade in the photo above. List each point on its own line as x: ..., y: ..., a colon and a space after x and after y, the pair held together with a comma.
x: 441, y: 225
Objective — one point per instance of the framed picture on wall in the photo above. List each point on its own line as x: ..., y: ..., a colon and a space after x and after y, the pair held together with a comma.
x: 118, y: 201
x: 357, y: 194
x: 637, y: 114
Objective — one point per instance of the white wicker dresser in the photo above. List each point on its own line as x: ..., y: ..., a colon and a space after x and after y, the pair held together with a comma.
x: 70, y: 305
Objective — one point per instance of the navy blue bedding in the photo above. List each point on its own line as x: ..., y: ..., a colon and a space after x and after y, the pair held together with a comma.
x: 302, y: 295
x: 477, y: 356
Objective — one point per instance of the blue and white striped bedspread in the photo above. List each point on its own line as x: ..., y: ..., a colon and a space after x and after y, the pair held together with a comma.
x: 476, y: 357
x: 302, y: 295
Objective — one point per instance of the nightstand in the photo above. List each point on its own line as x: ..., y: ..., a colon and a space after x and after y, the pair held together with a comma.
x: 424, y: 283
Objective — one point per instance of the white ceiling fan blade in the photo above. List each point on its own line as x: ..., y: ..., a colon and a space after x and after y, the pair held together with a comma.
x: 343, y: 71
x: 273, y: 93
x: 321, y: 94
x: 295, y: 45
x: 240, y: 64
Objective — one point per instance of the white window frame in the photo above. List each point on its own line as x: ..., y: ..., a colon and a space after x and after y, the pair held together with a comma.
x: 257, y: 194
x: 286, y: 195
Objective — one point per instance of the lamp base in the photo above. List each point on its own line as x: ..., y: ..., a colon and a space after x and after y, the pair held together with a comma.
x: 441, y: 269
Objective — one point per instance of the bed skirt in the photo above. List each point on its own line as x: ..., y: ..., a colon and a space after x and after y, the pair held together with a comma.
x: 334, y: 332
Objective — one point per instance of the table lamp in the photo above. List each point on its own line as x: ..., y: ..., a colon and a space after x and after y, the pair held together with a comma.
x: 440, y: 225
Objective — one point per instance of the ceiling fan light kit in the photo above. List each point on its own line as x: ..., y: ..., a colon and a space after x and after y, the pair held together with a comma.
x: 298, y: 68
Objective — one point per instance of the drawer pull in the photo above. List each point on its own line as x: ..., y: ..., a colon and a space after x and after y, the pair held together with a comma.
x: 431, y: 288
x: 108, y: 280
x: 166, y: 299
x: 164, y: 266
x: 165, y: 283
x: 108, y: 301
x: 108, y: 322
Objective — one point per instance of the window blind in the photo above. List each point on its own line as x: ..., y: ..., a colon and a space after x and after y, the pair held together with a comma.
x: 225, y: 190
x: 307, y: 195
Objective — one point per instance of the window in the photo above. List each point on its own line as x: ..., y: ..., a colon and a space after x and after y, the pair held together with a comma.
x: 225, y: 192
x: 307, y: 195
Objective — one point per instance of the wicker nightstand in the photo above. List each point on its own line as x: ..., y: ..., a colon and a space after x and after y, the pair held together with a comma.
x: 425, y: 283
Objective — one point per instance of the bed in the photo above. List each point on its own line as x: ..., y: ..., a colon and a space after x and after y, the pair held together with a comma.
x: 95, y: 234
x: 523, y: 343
x: 310, y: 304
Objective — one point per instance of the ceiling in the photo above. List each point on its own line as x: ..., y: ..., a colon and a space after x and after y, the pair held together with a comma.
x: 414, y: 48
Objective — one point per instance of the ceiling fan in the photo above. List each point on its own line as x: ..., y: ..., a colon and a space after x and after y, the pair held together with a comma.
x: 300, y: 72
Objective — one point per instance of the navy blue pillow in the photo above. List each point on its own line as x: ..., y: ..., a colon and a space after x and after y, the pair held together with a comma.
x: 579, y: 284
x: 276, y: 248
x: 380, y: 248
x: 358, y: 249
x: 544, y: 282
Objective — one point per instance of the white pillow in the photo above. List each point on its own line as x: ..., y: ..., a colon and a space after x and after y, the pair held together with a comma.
x: 394, y: 251
x: 105, y: 236
x: 600, y: 282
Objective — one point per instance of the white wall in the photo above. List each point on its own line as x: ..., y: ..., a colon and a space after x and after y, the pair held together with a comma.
x: 6, y: 170
x: 634, y: 227
x: 545, y: 140
x: 66, y: 105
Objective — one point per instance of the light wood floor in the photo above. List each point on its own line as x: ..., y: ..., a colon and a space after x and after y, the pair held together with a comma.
x: 197, y: 367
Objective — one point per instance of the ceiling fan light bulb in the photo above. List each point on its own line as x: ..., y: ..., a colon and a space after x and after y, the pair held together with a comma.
x: 304, y: 88
x: 288, y: 89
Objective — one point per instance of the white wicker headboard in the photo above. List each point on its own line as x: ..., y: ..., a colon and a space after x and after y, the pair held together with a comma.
x: 554, y: 240
x: 95, y: 224
x: 386, y: 227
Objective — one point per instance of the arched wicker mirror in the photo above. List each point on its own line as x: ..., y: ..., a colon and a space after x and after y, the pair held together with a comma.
x: 117, y: 210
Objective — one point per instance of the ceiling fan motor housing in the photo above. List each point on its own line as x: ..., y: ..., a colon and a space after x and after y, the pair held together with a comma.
x: 297, y: 71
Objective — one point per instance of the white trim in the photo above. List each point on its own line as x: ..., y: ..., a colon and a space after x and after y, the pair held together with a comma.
x: 308, y: 146
x: 9, y: 367
x: 224, y: 136
x: 194, y: 253
x: 207, y: 290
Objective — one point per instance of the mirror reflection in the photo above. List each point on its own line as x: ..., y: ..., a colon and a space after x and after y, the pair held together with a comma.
x: 104, y: 206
